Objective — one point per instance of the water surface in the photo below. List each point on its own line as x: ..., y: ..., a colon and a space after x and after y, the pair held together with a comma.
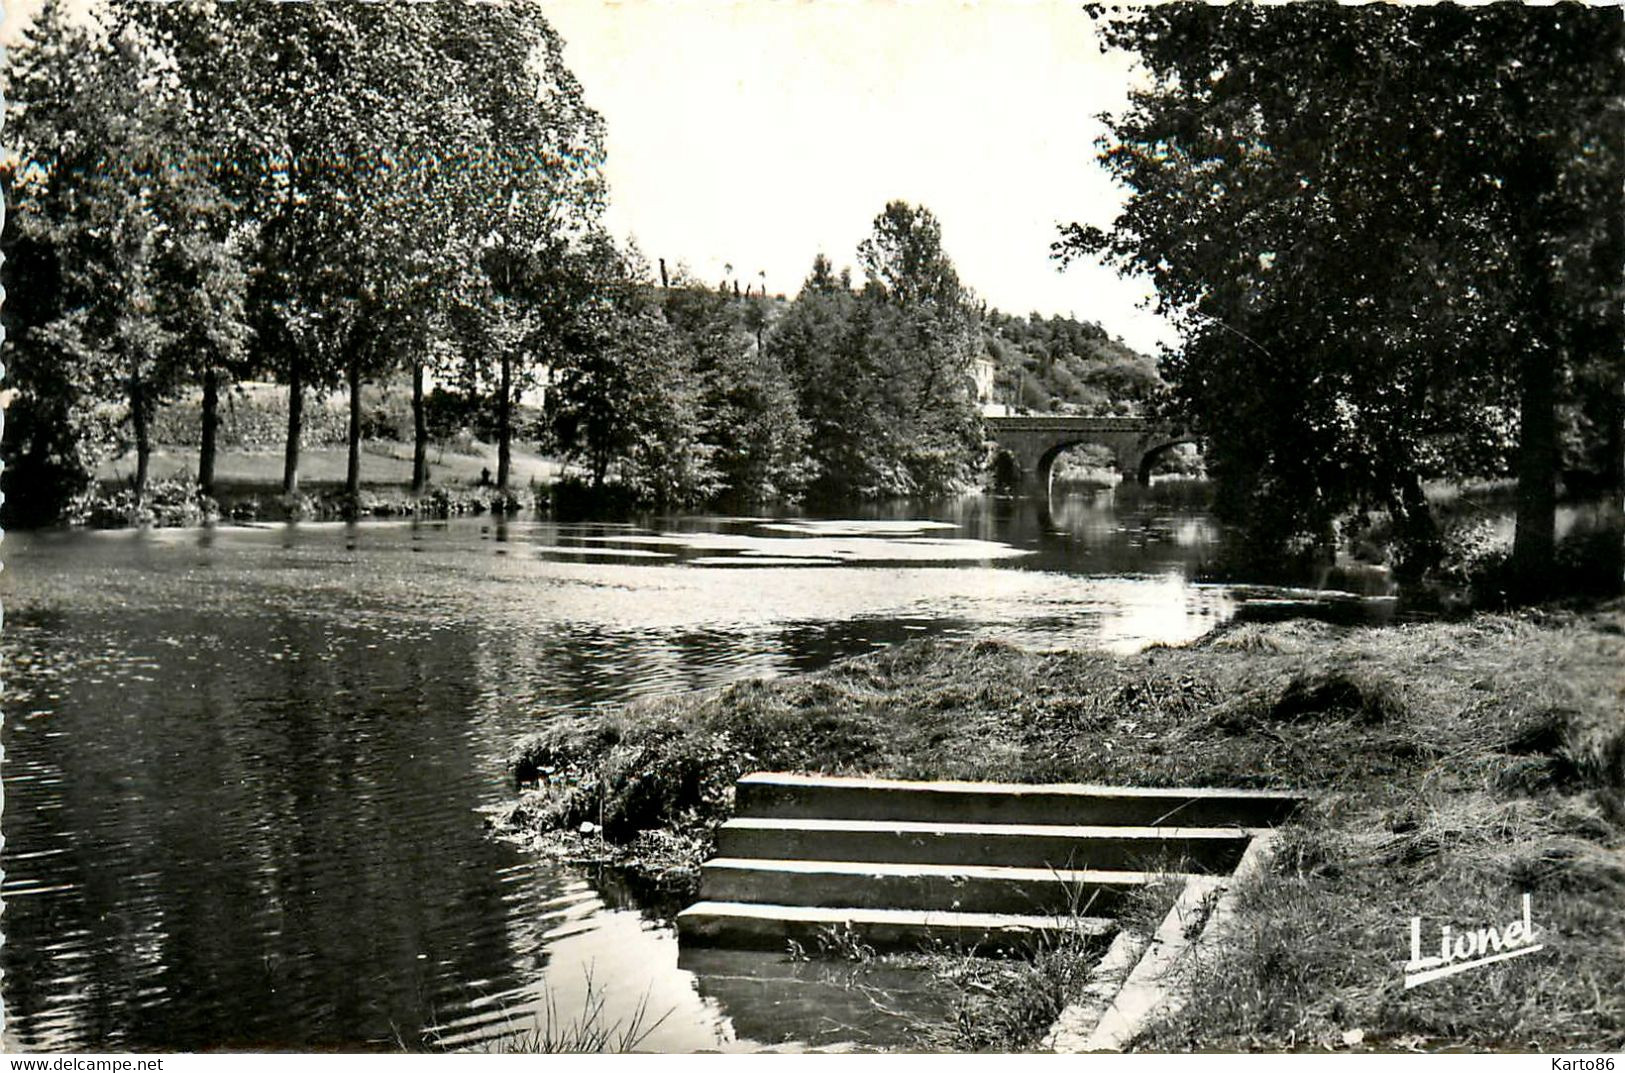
x: 245, y: 766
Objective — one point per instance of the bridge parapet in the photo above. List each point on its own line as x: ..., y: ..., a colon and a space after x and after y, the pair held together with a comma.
x: 1065, y: 423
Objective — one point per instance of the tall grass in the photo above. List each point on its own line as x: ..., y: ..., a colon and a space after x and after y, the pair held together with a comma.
x: 588, y: 1030
x: 1010, y: 1003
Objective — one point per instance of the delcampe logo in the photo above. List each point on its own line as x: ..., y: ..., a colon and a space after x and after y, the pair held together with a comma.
x: 1461, y: 949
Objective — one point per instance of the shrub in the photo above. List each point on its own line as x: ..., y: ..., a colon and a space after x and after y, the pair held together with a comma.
x: 251, y: 415
x: 175, y: 501
x: 1475, y: 552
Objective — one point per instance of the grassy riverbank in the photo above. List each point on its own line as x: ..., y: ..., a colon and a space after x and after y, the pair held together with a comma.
x: 1455, y: 767
x: 248, y: 486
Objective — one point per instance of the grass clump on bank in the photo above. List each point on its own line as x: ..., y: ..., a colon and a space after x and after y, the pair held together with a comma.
x: 1455, y: 766
x: 1009, y: 1004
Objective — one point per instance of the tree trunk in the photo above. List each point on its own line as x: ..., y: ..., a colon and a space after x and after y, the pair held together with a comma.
x: 143, y: 437
x: 1535, y: 540
x: 211, y: 424
x: 296, y: 422
x: 1613, y: 504
x: 1420, y: 547
x: 352, y: 470
x: 1614, y: 437
x: 504, y: 422
x: 420, y: 433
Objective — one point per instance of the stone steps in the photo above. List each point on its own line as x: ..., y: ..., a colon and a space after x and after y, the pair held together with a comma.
x: 788, y: 796
x: 1177, y: 849
x: 770, y: 926
x: 895, y: 863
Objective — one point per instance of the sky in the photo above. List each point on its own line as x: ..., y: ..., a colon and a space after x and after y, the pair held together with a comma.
x: 759, y: 133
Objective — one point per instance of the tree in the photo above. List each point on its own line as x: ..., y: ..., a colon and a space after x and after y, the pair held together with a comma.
x: 303, y: 99
x: 118, y: 214
x: 904, y: 255
x: 929, y: 349
x: 382, y: 148
x: 49, y: 425
x: 1388, y: 235
x: 883, y: 377
x: 823, y: 280
x: 748, y: 414
x: 544, y: 192
x: 626, y: 394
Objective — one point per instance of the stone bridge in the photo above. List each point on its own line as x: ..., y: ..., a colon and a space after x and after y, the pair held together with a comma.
x: 1033, y: 442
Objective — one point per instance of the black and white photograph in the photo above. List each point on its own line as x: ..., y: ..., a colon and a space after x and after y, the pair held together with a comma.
x: 832, y: 527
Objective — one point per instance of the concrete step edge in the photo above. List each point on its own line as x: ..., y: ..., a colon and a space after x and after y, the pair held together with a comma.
x: 924, y: 918
x: 1016, y: 789
x: 1101, y: 877
x: 991, y: 830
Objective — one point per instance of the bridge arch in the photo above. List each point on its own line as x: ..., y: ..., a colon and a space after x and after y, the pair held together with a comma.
x: 1153, y: 455
x: 1044, y: 474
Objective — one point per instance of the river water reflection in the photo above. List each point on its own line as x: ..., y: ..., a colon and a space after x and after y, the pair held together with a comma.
x: 244, y: 765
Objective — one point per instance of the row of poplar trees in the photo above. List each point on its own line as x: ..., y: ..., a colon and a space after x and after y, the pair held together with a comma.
x: 316, y: 193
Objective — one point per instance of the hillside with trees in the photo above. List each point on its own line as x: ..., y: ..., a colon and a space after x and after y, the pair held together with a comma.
x: 1066, y: 366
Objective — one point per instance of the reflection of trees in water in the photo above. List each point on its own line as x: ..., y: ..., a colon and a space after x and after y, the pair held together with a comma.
x: 654, y: 894
x: 262, y: 844
x: 526, y: 675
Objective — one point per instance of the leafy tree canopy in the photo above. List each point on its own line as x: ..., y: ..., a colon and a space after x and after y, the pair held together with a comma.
x: 1391, y: 237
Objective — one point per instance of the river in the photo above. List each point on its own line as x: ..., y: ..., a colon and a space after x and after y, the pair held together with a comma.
x: 245, y: 766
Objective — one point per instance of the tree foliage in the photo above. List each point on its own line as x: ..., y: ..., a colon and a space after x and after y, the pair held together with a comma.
x: 306, y: 191
x: 687, y: 393
x: 125, y: 272
x: 626, y: 395
x: 388, y: 150
x: 884, y: 375
x: 749, y: 413
x: 1391, y: 237
x: 328, y: 195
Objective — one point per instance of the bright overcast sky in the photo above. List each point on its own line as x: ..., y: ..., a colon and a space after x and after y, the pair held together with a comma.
x: 758, y: 133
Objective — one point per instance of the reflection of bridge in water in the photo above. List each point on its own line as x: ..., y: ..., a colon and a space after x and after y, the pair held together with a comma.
x: 1029, y: 445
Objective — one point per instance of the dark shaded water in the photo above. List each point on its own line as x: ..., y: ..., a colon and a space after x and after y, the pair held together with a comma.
x: 244, y: 766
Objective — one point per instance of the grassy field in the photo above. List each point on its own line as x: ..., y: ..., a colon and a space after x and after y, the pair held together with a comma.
x: 1454, y: 767
x: 383, y: 463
